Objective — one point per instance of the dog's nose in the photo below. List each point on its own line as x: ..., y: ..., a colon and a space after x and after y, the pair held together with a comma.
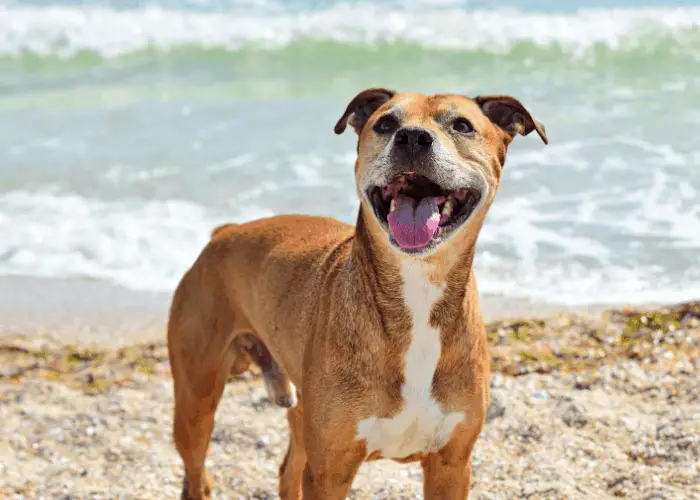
x: 413, y: 138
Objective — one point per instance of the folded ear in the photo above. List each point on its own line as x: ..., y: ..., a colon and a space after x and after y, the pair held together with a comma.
x: 509, y: 114
x: 362, y: 107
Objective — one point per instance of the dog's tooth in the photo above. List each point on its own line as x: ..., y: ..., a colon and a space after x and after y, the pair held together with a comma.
x: 447, y: 207
x: 392, y: 207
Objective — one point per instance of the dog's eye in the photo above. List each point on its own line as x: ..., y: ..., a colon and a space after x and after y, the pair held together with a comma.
x: 463, y: 126
x: 386, y: 125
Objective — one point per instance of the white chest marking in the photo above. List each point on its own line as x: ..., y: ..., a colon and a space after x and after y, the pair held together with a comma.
x: 421, y: 425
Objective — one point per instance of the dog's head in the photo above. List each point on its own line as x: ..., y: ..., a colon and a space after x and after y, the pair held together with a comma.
x: 429, y: 166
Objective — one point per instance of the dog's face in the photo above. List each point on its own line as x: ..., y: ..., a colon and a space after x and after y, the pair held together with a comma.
x: 429, y: 166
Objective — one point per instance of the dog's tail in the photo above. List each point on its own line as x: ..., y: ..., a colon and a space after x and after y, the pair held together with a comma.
x: 220, y: 229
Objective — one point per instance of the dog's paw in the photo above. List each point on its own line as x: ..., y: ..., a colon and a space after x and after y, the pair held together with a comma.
x: 280, y: 390
x: 287, y: 400
x: 203, y: 492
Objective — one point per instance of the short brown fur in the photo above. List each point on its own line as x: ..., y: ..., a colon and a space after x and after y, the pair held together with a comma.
x: 325, y: 300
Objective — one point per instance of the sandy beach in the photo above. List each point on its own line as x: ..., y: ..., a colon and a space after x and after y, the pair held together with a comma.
x: 130, y: 129
x: 584, y: 405
x: 128, y: 132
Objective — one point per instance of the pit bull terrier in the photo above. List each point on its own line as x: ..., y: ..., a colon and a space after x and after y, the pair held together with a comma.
x: 371, y: 335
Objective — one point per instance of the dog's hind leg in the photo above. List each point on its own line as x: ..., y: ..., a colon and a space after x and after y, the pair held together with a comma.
x: 241, y: 362
x: 280, y: 389
x: 292, y: 467
x: 202, y: 355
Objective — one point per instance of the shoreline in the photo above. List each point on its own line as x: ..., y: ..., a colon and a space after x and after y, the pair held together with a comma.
x: 80, y: 311
x: 86, y: 311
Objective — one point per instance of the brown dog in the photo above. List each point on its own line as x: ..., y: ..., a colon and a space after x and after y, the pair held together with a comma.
x: 376, y: 329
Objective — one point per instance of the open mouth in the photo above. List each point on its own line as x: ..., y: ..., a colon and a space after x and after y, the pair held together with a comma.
x: 418, y: 212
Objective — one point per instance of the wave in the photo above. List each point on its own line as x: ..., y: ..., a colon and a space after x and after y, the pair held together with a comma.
x: 148, y: 245
x: 63, y: 32
x: 139, y: 245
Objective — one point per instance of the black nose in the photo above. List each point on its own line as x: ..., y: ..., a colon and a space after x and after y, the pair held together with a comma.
x: 413, y: 138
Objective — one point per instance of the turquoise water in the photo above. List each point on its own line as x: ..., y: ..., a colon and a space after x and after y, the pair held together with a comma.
x: 128, y: 129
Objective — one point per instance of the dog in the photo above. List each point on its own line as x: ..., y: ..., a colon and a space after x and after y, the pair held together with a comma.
x: 371, y: 335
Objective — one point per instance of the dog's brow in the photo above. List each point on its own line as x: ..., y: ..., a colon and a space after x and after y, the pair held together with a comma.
x: 396, y: 111
x: 399, y: 108
x: 445, y: 112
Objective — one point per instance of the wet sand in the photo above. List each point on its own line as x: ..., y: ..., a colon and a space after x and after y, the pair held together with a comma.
x: 94, y: 312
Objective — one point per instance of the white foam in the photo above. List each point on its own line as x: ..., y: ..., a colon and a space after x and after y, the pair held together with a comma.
x: 629, y: 239
x: 570, y: 284
x: 63, y: 31
x: 605, y: 243
x: 140, y: 245
x: 147, y: 245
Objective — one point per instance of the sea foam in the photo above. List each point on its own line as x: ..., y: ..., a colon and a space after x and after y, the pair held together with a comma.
x: 62, y: 31
x: 148, y: 245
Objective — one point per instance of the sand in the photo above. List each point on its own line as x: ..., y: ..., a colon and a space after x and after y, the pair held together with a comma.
x: 583, y: 406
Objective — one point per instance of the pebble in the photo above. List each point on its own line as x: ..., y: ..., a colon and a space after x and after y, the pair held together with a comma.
x: 496, y: 407
x: 540, y: 395
x: 263, y: 442
x: 574, y: 416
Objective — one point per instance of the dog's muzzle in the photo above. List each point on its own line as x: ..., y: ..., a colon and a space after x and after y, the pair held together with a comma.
x: 418, y: 213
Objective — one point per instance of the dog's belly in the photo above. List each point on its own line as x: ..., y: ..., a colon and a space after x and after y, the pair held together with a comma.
x: 422, y: 425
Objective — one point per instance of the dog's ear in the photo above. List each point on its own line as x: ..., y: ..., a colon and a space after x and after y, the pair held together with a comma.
x: 362, y: 107
x: 509, y: 114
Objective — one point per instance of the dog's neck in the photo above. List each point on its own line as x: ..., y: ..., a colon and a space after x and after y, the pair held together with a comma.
x: 381, y: 266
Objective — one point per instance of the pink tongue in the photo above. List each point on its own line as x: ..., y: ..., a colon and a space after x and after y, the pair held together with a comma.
x: 414, y: 226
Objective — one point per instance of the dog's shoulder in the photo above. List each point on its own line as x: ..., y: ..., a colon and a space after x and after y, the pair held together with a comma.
x: 222, y: 229
x: 289, y: 226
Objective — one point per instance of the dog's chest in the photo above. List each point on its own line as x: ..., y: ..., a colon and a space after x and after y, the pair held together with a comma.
x: 421, y: 425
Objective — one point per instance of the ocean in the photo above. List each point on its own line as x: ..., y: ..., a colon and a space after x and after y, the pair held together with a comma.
x: 129, y: 129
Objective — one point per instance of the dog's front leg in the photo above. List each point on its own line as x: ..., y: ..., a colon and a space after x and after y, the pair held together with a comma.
x: 447, y: 473
x: 330, y: 477
x: 333, y: 455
